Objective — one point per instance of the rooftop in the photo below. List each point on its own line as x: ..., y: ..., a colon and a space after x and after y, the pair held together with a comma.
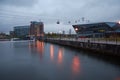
x: 111, y: 24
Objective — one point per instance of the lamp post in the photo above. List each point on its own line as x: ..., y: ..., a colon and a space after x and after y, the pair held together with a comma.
x: 60, y: 34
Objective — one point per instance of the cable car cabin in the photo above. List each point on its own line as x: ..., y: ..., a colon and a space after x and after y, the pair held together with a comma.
x: 58, y: 22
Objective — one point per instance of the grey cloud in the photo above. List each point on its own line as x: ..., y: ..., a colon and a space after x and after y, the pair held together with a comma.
x: 49, y: 11
x: 96, y: 9
x: 18, y: 2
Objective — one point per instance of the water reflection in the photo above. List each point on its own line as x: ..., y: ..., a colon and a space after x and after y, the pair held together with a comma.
x: 36, y: 47
x: 32, y: 47
x: 76, y: 65
x: 60, y: 56
x: 51, y: 52
x: 40, y: 46
x: 58, y: 63
x: 118, y: 78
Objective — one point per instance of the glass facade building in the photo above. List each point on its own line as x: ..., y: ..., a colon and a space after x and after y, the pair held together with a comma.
x: 96, y: 29
x: 21, y: 31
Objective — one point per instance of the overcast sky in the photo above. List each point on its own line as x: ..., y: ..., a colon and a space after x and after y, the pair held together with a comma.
x: 21, y: 12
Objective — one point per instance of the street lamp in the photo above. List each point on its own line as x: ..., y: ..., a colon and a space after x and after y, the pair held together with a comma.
x: 76, y: 29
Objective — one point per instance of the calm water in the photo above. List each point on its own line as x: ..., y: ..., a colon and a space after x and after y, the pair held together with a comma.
x: 25, y: 60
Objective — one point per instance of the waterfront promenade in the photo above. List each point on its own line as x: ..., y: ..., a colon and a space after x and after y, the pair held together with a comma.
x: 100, y: 46
x: 91, y: 40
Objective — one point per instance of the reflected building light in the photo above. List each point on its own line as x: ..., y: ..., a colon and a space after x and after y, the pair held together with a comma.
x: 118, y: 78
x: 76, y: 65
x: 60, y: 55
x: 40, y: 47
x: 51, y: 52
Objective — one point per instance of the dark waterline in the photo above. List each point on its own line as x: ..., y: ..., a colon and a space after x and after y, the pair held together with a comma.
x: 27, y: 60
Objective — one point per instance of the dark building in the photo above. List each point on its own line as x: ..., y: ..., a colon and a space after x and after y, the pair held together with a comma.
x: 21, y: 31
x: 2, y: 35
x: 97, y: 29
x: 36, y: 29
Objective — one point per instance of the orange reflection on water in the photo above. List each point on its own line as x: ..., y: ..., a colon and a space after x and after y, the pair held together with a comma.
x: 76, y: 65
x: 60, y: 56
x: 40, y: 46
x: 118, y: 78
x: 51, y: 52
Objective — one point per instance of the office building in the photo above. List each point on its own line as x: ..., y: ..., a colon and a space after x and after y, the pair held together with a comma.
x: 21, y: 31
x: 36, y: 29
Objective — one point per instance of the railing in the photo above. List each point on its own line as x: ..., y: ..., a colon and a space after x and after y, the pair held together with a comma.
x: 92, y: 40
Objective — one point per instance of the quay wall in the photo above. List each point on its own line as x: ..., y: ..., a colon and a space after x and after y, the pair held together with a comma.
x: 101, y: 48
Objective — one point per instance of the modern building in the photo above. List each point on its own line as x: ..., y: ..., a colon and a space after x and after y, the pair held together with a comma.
x: 36, y: 29
x: 102, y: 29
x: 21, y: 31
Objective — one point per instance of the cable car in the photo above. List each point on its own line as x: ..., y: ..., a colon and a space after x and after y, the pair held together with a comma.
x: 58, y: 22
x: 69, y: 22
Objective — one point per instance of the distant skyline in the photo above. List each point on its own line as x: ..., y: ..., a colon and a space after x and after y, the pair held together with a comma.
x: 21, y: 12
